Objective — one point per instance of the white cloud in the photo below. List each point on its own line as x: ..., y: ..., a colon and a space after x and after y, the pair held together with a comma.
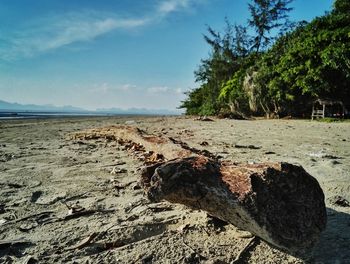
x: 84, y: 30
x: 159, y: 89
x: 179, y: 91
x: 165, y: 90
x: 168, y: 6
x: 50, y: 33
x: 104, y: 88
x: 128, y: 87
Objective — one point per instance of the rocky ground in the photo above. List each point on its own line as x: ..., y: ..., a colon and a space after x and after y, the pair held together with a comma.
x: 78, y: 201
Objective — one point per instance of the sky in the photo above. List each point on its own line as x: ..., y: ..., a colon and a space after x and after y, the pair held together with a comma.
x: 112, y: 53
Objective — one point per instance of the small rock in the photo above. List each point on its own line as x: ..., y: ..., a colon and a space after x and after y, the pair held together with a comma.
x: 204, y: 143
x: 130, y: 122
x: 136, y: 187
x: 35, y: 196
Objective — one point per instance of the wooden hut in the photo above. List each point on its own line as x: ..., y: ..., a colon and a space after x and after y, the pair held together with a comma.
x: 322, y: 108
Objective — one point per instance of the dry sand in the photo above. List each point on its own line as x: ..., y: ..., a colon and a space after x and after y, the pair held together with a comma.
x: 42, y: 172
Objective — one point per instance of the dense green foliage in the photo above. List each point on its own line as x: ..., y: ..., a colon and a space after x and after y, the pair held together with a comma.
x: 263, y: 75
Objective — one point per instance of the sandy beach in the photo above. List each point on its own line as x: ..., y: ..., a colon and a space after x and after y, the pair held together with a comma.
x: 44, y: 176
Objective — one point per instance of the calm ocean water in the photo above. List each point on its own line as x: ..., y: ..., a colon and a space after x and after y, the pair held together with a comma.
x: 38, y: 114
x: 29, y: 114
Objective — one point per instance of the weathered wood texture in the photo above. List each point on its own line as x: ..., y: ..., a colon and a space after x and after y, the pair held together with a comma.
x: 279, y: 202
x: 124, y: 134
x: 140, y: 140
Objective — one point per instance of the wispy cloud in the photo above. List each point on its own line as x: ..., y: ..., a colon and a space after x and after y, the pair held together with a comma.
x: 158, y: 89
x: 51, y: 33
x: 54, y: 32
x: 169, y: 6
x: 165, y: 90
x: 104, y: 88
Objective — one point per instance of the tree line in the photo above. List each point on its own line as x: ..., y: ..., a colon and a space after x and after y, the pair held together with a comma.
x: 277, y: 70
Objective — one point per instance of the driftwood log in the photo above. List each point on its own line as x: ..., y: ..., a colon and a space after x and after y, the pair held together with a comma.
x: 168, y: 147
x: 279, y: 202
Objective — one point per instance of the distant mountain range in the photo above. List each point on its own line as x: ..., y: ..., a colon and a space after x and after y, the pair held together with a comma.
x: 137, y: 111
x: 6, y: 106
x: 16, y: 107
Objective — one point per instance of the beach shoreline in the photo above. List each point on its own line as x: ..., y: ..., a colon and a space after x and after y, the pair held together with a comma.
x: 42, y: 171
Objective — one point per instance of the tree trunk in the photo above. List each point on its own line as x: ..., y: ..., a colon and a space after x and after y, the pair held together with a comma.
x: 279, y: 202
x: 168, y: 147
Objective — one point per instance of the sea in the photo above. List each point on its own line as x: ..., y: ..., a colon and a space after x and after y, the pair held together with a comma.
x: 39, y: 114
x: 51, y: 114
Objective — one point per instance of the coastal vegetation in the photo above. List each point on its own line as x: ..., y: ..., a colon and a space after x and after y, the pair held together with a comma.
x: 274, y: 67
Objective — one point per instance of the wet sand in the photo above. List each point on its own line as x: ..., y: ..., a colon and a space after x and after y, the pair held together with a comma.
x: 44, y: 176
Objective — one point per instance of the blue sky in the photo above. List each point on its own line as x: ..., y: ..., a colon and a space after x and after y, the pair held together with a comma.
x: 112, y: 53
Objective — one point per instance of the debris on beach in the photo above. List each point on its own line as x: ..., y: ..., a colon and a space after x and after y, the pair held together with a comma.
x: 130, y: 122
x: 247, y: 146
x: 116, y: 170
x: 204, y: 143
x: 165, y: 232
x: 204, y: 118
x: 339, y: 201
x: 263, y: 199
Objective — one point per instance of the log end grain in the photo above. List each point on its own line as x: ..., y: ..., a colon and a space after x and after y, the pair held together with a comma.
x: 279, y: 202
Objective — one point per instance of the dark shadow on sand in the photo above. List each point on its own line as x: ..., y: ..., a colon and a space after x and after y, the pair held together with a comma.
x: 334, y: 244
